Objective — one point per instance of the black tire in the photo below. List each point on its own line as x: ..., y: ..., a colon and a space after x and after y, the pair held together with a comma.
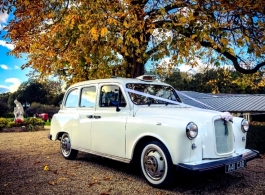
x: 156, y: 165
x: 66, y: 150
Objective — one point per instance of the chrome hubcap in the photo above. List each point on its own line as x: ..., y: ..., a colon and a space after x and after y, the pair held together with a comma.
x: 65, y: 146
x: 154, y: 164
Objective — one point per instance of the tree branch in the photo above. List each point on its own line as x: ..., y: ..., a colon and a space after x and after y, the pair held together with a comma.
x: 153, y: 12
x: 234, y: 59
x: 139, y: 2
x: 188, y: 33
x: 153, y: 50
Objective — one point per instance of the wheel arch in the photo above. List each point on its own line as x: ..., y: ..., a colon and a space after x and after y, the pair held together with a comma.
x: 140, y: 143
x: 59, y: 135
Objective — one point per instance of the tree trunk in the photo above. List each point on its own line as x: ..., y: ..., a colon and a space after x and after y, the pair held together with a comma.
x: 134, y: 68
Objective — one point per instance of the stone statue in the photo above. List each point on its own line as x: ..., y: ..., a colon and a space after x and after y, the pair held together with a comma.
x: 18, y: 110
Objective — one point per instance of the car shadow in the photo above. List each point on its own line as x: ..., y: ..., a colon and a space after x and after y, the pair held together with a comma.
x: 130, y: 168
x: 210, y: 183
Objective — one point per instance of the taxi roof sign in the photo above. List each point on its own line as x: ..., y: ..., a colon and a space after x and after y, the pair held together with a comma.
x: 147, y: 77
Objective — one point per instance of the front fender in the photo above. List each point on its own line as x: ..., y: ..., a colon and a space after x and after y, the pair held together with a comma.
x: 172, y: 136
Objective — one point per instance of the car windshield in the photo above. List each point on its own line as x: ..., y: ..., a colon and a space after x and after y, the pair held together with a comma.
x: 162, y: 91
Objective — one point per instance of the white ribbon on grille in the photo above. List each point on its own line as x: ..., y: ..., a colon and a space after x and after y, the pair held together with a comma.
x: 156, y: 97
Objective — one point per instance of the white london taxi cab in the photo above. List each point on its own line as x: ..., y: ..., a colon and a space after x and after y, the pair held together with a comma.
x: 144, y: 120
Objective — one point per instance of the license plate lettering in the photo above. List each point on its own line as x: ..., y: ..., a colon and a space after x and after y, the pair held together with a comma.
x: 240, y: 164
x: 235, y: 166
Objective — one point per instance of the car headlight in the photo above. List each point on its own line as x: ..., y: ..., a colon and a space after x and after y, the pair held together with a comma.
x: 244, y: 125
x: 192, y: 130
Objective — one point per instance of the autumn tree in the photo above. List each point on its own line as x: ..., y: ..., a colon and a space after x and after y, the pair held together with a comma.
x: 198, y: 83
x: 3, y: 108
x: 80, y: 40
x: 12, y: 97
x: 177, y: 80
x: 32, y: 91
x: 4, y: 97
x: 219, y: 80
x: 249, y: 84
x: 54, y: 89
x: 4, y: 103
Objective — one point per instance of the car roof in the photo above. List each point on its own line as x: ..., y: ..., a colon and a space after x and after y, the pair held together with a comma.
x: 120, y: 80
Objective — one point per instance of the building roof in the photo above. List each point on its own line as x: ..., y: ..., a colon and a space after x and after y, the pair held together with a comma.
x: 226, y: 102
x: 197, y: 95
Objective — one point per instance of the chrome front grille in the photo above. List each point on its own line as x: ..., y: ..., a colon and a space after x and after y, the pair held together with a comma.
x: 224, y: 143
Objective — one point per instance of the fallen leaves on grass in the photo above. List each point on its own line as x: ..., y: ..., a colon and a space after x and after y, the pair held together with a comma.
x: 97, y: 181
x: 106, y: 178
x: 56, y: 182
x: 128, y: 178
x: 36, y: 163
x: 62, y: 178
x: 70, y: 174
x: 93, y: 183
x: 104, y: 193
x: 52, y: 183
x: 75, y: 167
x: 46, y: 168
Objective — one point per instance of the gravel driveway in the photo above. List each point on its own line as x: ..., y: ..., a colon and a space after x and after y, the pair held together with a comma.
x: 32, y: 164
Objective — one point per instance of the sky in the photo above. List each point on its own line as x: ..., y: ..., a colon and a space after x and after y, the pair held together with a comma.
x: 11, y: 74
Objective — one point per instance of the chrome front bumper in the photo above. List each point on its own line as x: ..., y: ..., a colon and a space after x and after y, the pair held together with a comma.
x: 216, y: 164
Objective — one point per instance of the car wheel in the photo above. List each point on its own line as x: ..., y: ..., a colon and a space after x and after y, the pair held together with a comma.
x: 66, y: 149
x: 156, y: 165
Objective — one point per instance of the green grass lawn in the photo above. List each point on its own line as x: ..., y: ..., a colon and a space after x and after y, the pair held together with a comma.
x: 47, y: 123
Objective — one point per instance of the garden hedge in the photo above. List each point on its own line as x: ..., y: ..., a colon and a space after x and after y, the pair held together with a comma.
x: 30, y: 123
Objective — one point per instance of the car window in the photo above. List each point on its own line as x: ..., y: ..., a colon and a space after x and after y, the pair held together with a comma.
x: 162, y: 91
x: 72, y: 99
x: 88, y: 97
x: 111, y: 96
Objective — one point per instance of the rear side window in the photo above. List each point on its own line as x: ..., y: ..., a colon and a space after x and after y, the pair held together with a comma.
x: 88, y: 97
x: 72, y: 99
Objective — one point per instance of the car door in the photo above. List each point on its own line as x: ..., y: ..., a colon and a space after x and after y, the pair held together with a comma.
x: 108, y: 126
x: 86, y: 107
x: 68, y: 115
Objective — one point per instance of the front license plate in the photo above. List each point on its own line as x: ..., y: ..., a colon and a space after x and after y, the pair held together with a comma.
x: 235, y: 166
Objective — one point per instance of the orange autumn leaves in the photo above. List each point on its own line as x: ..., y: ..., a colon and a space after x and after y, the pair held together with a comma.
x: 81, y: 40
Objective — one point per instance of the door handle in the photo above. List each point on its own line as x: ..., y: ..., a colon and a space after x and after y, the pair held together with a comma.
x: 89, y: 116
x: 97, y: 117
